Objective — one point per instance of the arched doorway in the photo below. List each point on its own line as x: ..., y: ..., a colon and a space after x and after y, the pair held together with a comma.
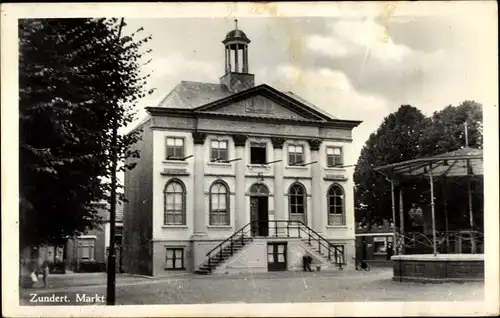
x: 259, y: 210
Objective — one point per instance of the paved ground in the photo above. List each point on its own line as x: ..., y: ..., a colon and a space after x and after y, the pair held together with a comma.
x: 282, y: 287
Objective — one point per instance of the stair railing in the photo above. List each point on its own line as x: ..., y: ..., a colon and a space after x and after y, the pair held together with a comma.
x: 221, y: 246
x: 322, y: 242
x: 312, y: 237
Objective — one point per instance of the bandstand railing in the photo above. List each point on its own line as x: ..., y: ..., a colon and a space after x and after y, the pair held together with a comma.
x: 447, y: 242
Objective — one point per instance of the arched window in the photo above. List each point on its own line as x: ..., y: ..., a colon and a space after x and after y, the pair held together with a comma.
x: 336, y: 208
x: 219, y: 204
x: 297, y: 200
x: 174, y: 196
x: 259, y: 189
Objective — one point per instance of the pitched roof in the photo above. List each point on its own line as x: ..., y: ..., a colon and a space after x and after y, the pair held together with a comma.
x: 103, y: 209
x: 466, y: 151
x: 305, y: 102
x: 189, y: 95
x: 461, y: 162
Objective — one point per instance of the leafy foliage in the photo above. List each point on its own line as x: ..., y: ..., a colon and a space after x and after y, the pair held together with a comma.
x: 445, y: 130
x: 395, y: 140
x: 76, y: 78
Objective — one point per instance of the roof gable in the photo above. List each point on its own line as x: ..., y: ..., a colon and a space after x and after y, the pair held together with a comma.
x: 257, y: 105
x: 264, y: 99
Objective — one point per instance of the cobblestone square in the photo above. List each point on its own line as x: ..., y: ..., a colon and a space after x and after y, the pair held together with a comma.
x: 279, y: 287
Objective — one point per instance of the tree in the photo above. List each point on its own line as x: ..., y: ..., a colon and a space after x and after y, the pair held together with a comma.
x: 395, y: 140
x: 75, y: 79
x: 445, y: 131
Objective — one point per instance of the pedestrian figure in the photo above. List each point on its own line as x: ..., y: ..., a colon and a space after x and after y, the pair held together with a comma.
x: 364, y: 265
x: 390, y: 251
x: 45, y: 273
x: 306, y: 263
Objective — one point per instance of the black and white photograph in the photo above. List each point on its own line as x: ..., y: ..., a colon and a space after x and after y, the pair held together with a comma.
x: 250, y: 159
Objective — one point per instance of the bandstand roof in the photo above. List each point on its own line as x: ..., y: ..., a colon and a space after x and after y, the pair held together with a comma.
x: 450, y: 164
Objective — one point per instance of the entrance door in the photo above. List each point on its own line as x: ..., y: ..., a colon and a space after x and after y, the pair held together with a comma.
x: 276, y: 256
x: 259, y: 215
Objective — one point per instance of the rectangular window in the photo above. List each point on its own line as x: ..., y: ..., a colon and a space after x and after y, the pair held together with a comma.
x: 258, y: 153
x: 175, y: 258
x: 338, y: 253
x: 119, y: 229
x: 334, y: 157
x: 380, y: 245
x: 86, y: 249
x: 218, y: 150
x: 295, y: 154
x: 175, y: 148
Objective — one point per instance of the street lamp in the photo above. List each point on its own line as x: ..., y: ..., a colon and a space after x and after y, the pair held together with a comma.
x: 111, y: 270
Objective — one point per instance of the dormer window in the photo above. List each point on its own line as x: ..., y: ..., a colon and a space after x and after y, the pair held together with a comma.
x: 218, y: 151
x: 334, y: 157
x: 175, y: 148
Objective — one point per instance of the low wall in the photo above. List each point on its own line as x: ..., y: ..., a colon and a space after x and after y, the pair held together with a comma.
x: 429, y: 268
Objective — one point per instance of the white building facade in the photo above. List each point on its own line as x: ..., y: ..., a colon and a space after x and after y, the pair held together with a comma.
x: 222, y: 164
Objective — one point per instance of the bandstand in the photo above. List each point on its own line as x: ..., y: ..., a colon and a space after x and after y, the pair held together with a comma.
x: 437, y: 254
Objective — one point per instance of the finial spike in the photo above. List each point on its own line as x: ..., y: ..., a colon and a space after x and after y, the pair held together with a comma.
x: 236, y: 23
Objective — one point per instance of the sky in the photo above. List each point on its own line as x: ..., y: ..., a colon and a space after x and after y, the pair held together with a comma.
x: 354, y: 67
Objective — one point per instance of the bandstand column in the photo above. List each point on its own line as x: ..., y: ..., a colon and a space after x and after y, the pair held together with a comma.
x: 401, y: 219
x: 393, y: 203
x: 240, y: 215
x: 471, y: 215
x: 199, y: 224
x: 316, y: 183
x: 431, y: 180
x: 279, y: 189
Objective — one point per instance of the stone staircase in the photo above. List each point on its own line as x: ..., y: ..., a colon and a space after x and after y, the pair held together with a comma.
x: 280, y: 228
x: 223, y: 255
x: 323, y: 252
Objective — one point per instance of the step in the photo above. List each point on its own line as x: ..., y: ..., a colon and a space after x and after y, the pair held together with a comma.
x: 225, y: 252
x: 216, y: 260
x: 228, y: 250
x: 235, y: 245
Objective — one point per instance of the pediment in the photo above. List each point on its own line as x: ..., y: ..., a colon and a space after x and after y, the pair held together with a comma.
x: 259, y: 105
x: 264, y: 100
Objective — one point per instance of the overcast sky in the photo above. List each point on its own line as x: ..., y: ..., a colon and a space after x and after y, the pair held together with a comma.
x: 360, y: 68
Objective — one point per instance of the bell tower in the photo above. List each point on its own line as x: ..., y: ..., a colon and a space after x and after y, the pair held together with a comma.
x: 236, y: 77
